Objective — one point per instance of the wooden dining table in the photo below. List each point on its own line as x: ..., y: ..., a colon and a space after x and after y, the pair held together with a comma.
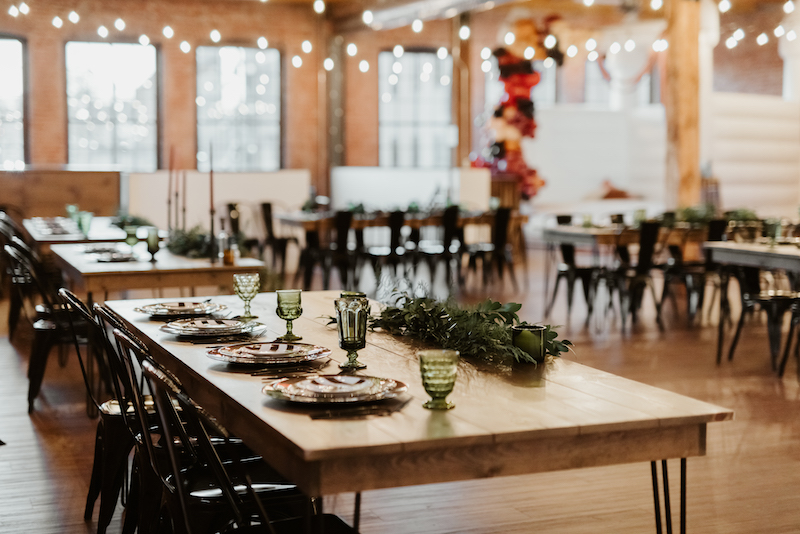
x: 581, y: 417
x: 62, y: 230
x: 85, y: 273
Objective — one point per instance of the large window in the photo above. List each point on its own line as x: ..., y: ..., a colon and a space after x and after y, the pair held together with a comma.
x: 238, y: 108
x: 12, y: 144
x: 112, y: 105
x: 414, y: 114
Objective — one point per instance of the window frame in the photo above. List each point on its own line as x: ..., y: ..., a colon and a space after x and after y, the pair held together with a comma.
x: 159, y: 89
x: 281, y: 104
x: 25, y: 93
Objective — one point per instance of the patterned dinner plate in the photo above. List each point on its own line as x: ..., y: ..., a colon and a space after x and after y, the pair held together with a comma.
x: 269, y: 353
x: 204, y: 327
x: 334, y: 389
x: 180, y: 308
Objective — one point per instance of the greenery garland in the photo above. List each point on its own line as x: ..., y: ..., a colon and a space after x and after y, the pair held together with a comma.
x: 481, y: 332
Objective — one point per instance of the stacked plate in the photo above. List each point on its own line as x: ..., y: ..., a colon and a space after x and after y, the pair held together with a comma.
x: 210, y: 327
x: 269, y: 353
x: 180, y: 309
x: 329, y: 389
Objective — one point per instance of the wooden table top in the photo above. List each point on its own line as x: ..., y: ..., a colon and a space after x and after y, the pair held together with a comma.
x: 324, y: 221
x: 581, y: 417
x: 618, y: 235
x: 761, y: 255
x: 102, y: 230
x: 169, y: 270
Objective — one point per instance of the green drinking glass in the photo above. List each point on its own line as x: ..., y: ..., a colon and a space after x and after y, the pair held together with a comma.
x: 84, y: 220
x: 130, y: 236
x: 289, y: 309
x: 153, y: 242
x: 351, y: 320
x: 438, y: 368
x: 246, y: 287
x: 529, y: 338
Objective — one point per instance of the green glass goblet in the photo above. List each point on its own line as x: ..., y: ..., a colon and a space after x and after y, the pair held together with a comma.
x: 130, y: 236
x: 438, y: 368
x: 246, y: 287
x: 351, y: 321
x: 153, y: 242
x: 289, y: 309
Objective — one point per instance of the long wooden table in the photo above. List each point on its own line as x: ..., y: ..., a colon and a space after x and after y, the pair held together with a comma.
x: 87, y: 274
x: 582, y: 417
x: 102, y: 230
x: 760, y: 256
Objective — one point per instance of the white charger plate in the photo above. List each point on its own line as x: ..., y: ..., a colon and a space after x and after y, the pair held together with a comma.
x: 269, y: 353
x: 328, y: 389
x: 180, y: 308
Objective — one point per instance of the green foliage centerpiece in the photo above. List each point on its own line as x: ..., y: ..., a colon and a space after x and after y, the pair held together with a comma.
x: 479, y: 332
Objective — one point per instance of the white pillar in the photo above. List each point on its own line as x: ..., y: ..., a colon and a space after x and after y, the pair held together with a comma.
x: 790, y: 53
x: 709, y: 38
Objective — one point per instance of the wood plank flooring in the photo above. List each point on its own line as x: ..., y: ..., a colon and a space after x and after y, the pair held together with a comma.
x: 747, y: 483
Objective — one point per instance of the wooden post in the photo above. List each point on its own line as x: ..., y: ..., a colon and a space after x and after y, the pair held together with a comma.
x: 461, y: 88
x: 682, y: 101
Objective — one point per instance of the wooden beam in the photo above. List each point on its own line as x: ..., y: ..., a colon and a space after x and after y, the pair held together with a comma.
x: 682, y: 103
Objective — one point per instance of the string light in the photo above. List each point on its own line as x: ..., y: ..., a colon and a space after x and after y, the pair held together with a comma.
x: 441, y: 53
x: 591, y: 44
x: 119, y: 24
x: 102, y: 31
x: 168, y: 32
x: 367, y: 17
x: 319, y: 7
x: 660, y: 45
x: 550, y: 41
x: 738, y: 34
x: 398, y: 51
x: 13, y: 11
x: 328, y: 64
x: 791, y: 36
x: 306, y: 46
x: 352, y: 49
x: 510, y: 38
x: 215, y: 36
x: 731, y: 42
x: 73, y: 17
x: 655, y: 5
x: 262, y: 43
x: 588, y: 3
x: 486, y: 53
x: 24, y: 9
x: 548, y: 63
x: 788, y: 7
x: 529, y: 53
x: 297, y: 62
x: 779, y: 31
x: 57, y: 22
x: 762, y: 39
x: 572, y: 50
x: 144, y: 40
x: 593, y: 55
x: 724, y: 6
x: 363, y: 66
x: 630, y: 45
x: 486, y: 66
x: 463, y: 33
x: 397, y: 67
x: 186, y: 47
x: 416, y: 26
x: 614, y: 48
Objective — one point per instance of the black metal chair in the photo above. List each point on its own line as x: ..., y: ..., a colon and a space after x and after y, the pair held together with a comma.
x: 393, y: 253
x: 693, y: 275
x: 631, y: 282
x: 276, y: 245
x: 496, y: 255
x: 338, y: 254
x: 447, y: 251
x: 113, y: 441
x: 570, y: 272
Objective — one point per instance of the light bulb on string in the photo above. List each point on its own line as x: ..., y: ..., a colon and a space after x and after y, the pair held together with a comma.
x: 186, y: 47
x: 509, y: 38
x: 73, y: 17
x: 297, y: 62
x: 102, y: 31
x: 24, y: 8
x: 655, y: 5
x: 550, y: 41
x: 367, y: 17
x: 416, y: 26
x: 724, y: 6
x: 363, y: 66
x: 144, y: 40
x: 13, y: 11
x: 572, y: 51
x: 788, y: 7
x: 615, y: 48
x: 779, y: 31
x: 328, y: 64
x: 215, y: 36
x: 57, y: 22
x: 441, y: 53
x: 486, y: 53
x: 119, y: 24
x: 762, y: 39
x: 262, y: 43
x: 319, y: 7
x: 463, y: 33
x: 168, y: 32
x: 591, y: 44
x: 306, y: 46
x: 352, y: 49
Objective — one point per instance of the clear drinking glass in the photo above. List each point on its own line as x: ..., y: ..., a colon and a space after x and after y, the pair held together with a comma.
x: 289, y: 309
x: 84, y: 220
x: 438, y: 368
x: 351, y: 320
x: 246, y: 287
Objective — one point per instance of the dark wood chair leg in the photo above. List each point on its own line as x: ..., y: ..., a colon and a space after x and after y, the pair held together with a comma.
x: 43, y: 339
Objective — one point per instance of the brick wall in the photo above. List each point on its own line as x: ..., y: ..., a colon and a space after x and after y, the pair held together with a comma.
x: 749, y: 68
x: 240, y: 23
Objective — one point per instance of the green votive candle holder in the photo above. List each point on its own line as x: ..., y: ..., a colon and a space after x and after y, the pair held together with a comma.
x: 351, y: 321
x: 529, y: 338
x: 438, y: 369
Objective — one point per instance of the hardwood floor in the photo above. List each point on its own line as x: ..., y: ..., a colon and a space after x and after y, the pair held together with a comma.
x: 747, y: 483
